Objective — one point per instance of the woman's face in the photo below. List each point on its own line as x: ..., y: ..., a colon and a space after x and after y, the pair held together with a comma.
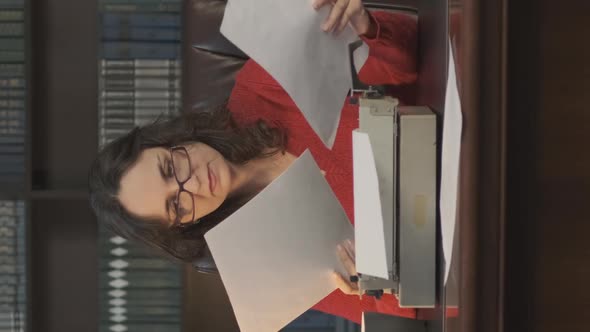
x: 149, y: 188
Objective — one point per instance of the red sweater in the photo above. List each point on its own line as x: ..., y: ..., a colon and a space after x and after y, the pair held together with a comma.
x: 257, y: 95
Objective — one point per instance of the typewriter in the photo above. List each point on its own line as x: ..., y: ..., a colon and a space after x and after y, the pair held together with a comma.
x: 403, y: 241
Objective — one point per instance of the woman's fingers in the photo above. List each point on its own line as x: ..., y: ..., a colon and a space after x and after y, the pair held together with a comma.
x: 317, y: 4
x: 345, y: 286
x: 347, y: 261
x: 346, y: 254
x: 350, y: 247
x: 336, y: 13
x: 343, y: 22
x: 342, y: 13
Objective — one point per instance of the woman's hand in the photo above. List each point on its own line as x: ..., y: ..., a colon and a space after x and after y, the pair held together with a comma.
x: 344, y: 11
x: 346, y: 253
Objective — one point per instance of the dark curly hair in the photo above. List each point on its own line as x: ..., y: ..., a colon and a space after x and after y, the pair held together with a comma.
x: 216, y: 128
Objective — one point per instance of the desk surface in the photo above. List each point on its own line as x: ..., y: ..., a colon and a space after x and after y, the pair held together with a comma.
x: 473, y: 297
x: 477, y: 30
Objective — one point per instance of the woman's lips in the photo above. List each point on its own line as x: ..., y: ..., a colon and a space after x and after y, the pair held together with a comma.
x: 212, y: 180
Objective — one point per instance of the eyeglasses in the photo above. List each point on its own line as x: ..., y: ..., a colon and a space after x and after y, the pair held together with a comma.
x: 184, y: 205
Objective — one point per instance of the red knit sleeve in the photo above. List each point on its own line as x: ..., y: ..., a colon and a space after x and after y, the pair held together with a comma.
x: 351, y: 307
x: 392, y: 51
x: 257, y: 95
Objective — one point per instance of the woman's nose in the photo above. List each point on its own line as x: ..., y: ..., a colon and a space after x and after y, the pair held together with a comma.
x: 193, y: 184
x: 172, y: 187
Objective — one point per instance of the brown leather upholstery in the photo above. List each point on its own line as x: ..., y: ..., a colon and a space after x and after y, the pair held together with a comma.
x: 210, y: 61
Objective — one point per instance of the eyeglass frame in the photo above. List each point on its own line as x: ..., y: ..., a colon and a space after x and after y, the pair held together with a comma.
x: 176, y: 223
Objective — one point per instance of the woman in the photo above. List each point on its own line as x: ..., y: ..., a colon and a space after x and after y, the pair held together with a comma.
x: 168, y: 183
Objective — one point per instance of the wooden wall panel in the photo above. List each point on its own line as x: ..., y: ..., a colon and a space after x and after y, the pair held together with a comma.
x: 562, y: 244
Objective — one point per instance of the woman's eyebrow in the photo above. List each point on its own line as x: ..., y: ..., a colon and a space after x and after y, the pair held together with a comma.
x: 167, y: 201
x: 161, y: 168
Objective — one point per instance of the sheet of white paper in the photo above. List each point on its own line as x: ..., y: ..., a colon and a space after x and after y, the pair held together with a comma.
x: 451, y: 151
x: 363, y: 322
x: 369, y: 234
x: 276, y: 254
x: 285, y: 38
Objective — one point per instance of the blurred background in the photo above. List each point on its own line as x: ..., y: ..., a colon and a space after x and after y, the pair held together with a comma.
x: 74, y: 75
